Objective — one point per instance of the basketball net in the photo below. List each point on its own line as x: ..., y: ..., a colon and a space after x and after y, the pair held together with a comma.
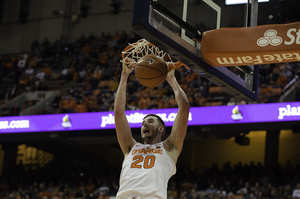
x: 135, y: 51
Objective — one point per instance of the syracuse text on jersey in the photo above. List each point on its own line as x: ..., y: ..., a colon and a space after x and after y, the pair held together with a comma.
x: 147, y: 151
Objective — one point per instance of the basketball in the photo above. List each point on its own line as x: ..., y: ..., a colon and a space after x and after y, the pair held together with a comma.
x: 151, y: 70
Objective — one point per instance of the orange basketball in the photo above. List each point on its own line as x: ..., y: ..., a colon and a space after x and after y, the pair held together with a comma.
x: 151, y: 70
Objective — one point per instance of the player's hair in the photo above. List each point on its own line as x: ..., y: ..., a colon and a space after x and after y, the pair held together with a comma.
x: 160, y: 121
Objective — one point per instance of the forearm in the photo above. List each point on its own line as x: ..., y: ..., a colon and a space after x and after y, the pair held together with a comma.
x: 180, y: 96
x: 180, y: 124
x: 120, y: 98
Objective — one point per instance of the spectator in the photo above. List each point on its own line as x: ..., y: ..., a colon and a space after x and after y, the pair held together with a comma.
x: 103, y: 195
x: 231, y: 101
x: 192, y: 78
x: 204, y: 90
x: 228, y: 187
x: 113, y: 85
x: 164, y: 103
x: 296, y: 191
x: 211, y: 189
x: 66, y: 74
x: 90, y: 186
x: 15, y: 109
x: 131, y: 87
x: 95, y: 77
x: 35, y: 46
x: 33, y: 61
x: 93, y: 107
x: 286, y: 71
x: 23, y: 82
x: 5, y: 111
x: 103, y: 58
x: 81, y: 106
x: 105, y: 106
x: 257, y: 188
x: 264, y: 71
x: 144, y: 102
x: 239, y: 195
x: 9, y: 64
x: 48, y: 109
x: 103, y: 188
x: 221, y: 192
x: 282, y: 80
x: 153, y: 104
x: 86, y: 48
x: 288, y: 192
x: 246, y: 189
x: 189, y: 190
x: 44, y: 193
x: 67, y: 104
x: 80, y: 193
x: 274, y: 76
x: 47, y: 71
x: 21, y: 63
x: 40, y: 82
x: 56, y: 63
x: 172, y: 102
x: 29, y: 73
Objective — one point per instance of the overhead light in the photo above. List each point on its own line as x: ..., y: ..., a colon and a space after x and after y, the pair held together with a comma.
x: 233, y: 2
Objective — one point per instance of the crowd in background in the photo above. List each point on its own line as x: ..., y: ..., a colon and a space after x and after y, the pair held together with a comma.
x: 238, y: 181
x: 86, y: 73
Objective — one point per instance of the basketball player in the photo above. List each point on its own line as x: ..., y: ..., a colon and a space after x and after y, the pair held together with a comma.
x: 148, y: 166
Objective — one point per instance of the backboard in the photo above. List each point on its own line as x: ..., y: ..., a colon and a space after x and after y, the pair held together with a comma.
x: 177, y: 27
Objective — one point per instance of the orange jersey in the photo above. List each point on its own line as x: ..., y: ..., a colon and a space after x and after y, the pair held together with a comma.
x: 145, y: 172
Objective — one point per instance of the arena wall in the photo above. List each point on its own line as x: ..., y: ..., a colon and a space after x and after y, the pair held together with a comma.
x: 201, y: 154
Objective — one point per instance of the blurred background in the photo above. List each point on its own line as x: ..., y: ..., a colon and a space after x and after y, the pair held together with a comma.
x: 62, y: 57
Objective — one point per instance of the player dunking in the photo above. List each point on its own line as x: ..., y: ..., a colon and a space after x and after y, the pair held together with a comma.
x: 148, y: 167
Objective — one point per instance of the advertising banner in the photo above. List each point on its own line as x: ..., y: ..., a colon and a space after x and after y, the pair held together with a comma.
x: 256, y: 45
x: 254, y: 113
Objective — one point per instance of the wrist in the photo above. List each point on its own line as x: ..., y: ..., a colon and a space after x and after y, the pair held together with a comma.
x: 124, y: 74
x: 171, y: 79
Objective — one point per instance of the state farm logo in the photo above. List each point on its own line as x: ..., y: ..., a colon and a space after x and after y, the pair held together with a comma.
x: 270, y: 37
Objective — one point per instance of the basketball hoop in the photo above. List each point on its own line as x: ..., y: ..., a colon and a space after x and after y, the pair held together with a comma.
x: 135, y: 51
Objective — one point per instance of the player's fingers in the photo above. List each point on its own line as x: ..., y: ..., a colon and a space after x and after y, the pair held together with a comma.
x: 129, y: 62
x: 169, y: 64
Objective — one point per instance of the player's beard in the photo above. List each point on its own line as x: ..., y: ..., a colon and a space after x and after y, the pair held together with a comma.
x: 150, y: 138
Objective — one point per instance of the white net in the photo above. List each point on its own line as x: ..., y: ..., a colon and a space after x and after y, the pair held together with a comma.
x: 134, y: 52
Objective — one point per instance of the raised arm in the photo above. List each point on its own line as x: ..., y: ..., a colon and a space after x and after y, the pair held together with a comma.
x: 174, y: 142
x: 123, y: 129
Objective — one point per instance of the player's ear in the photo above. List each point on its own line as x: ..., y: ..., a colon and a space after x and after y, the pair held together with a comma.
x: 161, y: 129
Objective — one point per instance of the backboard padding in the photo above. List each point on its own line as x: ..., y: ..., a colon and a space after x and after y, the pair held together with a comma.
x: 147, y: 27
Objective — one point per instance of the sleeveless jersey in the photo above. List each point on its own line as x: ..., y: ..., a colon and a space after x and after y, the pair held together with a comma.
x: 145, y: 172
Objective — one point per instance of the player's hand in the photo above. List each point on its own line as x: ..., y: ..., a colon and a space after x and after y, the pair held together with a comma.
x: 127, y: 65
x: 171, y: 73
x: 172, y: 66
